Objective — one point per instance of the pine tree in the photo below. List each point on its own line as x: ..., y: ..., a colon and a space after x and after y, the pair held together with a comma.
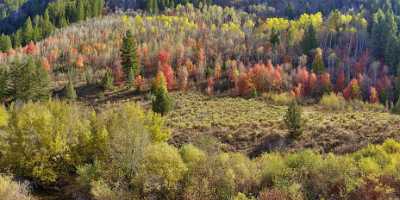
x: 152, y: 6
x: 309, y: 41
x: 384, y: 27
x: 318, y: 65
x: 293, y: 120
x: 396, y: 108
x: 4, y: 87
x: 27, y: 32
x: 129, y: 57
x: 46, y: 25
x: 30, y: 81
x: 80, y: 11
x: 108, y: 81
x: 161, y: 102
x: 70, y: 92
x: 5, y: 43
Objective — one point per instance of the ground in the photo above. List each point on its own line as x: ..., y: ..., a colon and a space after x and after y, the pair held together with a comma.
x: 255, y: 126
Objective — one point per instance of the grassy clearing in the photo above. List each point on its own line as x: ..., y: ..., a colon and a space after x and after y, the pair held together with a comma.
x: 253, y: 126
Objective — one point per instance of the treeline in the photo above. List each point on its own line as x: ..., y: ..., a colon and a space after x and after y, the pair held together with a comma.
x: 9, y: 6
x: 57, y: 14
x: 152, y: 5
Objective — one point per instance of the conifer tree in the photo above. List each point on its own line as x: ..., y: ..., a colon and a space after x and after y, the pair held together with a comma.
x: 30, y: 81
x: 293, y: 120
x: 46, y: 25
x: 309, y: 41
x: 161, y: 102
x: 27, y: 32
x: 129, y: 57
x: 5, y: 43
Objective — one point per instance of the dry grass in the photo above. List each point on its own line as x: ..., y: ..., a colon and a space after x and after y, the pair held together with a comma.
x: 10, y: 190
x: 254, y: 126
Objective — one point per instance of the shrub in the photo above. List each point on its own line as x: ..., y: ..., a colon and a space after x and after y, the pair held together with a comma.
x: 46, y: 140
x: 70, y: 92
x: 161, y: 170
x: 333, y: 102
x: 162, y: 102
x: 10, y: 190
x: 293, y: 120
x: 280, y: 99
x: 108, y: 81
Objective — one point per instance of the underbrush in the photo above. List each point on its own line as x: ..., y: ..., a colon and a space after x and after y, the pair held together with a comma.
x: 11, y: 190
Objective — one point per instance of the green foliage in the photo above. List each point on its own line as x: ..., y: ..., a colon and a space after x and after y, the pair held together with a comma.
x: 5, y: 43
x: 309, y: 41
x: 162, y: 102
x: 46, y: 140
x: 29, y: 81
x: 396, y: 108
x: 333, y: 102
x: 293, y: 120
x: 129, y: 57
x: 70, y: 92
x: 318, y: 65
x: 108, y: 81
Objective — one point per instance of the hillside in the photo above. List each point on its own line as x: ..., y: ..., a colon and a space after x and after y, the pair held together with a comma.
x: 200, y: 100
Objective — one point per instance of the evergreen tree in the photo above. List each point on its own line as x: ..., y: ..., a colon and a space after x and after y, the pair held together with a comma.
x: 318, y: 65
x: 396, y: 108
x: 70, y: 92
x: 4, y: 87
x: 46, y: 25
x: 129, y: 57
x: 152, y: 6
x: 16, y: 39
x: 384, y: 27
x: 30, y: 81
x: 161, y: 102
x: 5, y: 43
x: 309, y: 41
x: 108, y: 81
x: 79, y: 11
x: 293, y: 120
x: 289, y: 11
x: 27, y: 32
x: 37, y: 31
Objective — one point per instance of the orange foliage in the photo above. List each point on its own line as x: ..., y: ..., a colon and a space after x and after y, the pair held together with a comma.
x: 45, y: 63
x: 373, y: 98
x: 31, y: 49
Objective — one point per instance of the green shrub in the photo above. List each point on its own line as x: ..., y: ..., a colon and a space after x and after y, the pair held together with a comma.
x: 280, y: 99
x: 46, y: 140
x: 161, y: 170
x: 333, y: 102
x: 10, y: 190
x: 293, y: 120
x: 162, y: 102
x: 108, y: 81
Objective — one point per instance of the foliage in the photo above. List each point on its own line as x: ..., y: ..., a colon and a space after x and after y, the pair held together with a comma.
x: 333, y: 102
x: 293, y: 120
x: 129, y: 58
x: 161, y: 102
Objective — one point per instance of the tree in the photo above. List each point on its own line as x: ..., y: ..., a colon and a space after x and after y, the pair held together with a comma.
x: 46, y: 25
x: 318, y: 65
x: 27, y: 32
x: 70, y: 92
x: 30, y: 81
x: 161, y: 102
x: 396, y: 108
x: 5, y: 43
x: 309, y: 41
x: 384, y: 27
x: 129, y: 57
x: 293, y: 120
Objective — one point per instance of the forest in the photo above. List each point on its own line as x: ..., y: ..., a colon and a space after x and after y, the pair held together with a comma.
x: 199, y: 100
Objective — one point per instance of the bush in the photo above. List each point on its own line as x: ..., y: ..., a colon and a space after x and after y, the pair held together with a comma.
x: 293, y: 120
x: 162, y: 102
x: 46, y: 140
x: 161, y: 170
x: 10, y: 190
x: 280, y: 99
x: 333, y: 102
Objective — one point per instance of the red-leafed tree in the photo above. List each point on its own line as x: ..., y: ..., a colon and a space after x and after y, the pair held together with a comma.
x: 352, y: 91
x: 340, y: 81
x: 244, y: 85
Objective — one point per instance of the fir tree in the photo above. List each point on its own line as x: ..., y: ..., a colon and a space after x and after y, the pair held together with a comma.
x: 293, y: 120
x: 30, y: 81
x: 129, y: 57
x: 46, y: 25
x: 161, y: 102
x: 27, y: 32
x: 5, y: 43
x: 309, y: 41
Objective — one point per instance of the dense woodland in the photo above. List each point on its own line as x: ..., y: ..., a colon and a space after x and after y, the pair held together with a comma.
x: 265, y: 56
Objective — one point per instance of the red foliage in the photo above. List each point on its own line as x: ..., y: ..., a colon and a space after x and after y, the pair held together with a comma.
x: 302, y: 75
x: 361, y: 63
x: 244, y: 85
x: 210, y: 86
x: 164, y: 57
x: 340, y: 81
x: 312, y: 83
x: 169, y: 75
x: 45, y: 63
x: 118, y: 74
x: 80, y: 62
x: 139, y: 82
x: 352, y: 91
x: 266, y: 77
x: 31, y: 49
